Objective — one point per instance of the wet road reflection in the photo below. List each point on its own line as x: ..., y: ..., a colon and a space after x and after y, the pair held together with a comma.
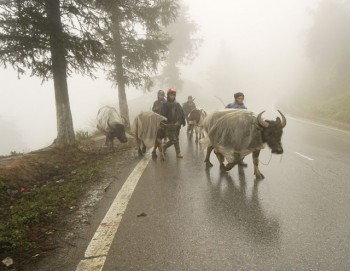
x: 201, y: 219
x: 239, y: 209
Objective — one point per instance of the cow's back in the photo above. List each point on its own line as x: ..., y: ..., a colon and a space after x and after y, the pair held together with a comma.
x: 106, y: 116
x: 232, y: 130
x: 145, y: 127
x: 194, y: 116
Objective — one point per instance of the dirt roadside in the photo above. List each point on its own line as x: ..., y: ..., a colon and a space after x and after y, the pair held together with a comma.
x: 81, y: 176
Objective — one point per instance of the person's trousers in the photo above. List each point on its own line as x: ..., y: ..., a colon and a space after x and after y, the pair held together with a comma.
x: 173, y: 132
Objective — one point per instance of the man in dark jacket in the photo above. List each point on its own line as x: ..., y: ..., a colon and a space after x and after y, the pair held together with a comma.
x: 175, y: 115
x: 157, y: 105
x: 238, y: 104
x: 188, y: 107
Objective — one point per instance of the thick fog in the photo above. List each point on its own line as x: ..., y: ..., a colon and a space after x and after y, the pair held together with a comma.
x: 252, y: 46
x: 256, y: 47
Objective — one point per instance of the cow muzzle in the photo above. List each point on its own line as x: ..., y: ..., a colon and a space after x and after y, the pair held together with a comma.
x: 278, y: 150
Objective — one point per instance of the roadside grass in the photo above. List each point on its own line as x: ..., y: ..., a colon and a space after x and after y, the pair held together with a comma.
x: 334, y: 111
x: 336, y: 108
x: 28, y: 218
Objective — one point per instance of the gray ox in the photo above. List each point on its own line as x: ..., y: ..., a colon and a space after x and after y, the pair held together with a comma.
x: 111, y: 125
x: 195, y: 121
x: 149, y: 129
x: 235, y: 133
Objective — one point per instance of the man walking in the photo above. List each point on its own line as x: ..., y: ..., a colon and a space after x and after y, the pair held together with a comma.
x: 175, y: 115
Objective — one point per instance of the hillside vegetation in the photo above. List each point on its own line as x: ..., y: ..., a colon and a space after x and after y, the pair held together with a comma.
x: 334, y: 111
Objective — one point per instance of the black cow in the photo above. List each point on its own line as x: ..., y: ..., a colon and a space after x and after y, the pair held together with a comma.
x: 235, y: 133
x: 111, y: 125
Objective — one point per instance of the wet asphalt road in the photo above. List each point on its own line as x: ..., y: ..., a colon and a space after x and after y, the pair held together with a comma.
x: 297, y: 218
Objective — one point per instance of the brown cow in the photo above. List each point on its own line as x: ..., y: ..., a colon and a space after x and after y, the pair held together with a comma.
x: 195, y: 122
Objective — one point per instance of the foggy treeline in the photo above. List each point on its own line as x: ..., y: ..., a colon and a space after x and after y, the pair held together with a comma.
x: 328, y: 49
x: 55, y: 39
x: 207, y: 50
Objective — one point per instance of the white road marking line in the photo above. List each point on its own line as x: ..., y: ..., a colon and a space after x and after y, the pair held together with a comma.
x: 97, y: 250
x: 304, y: 156
x: 95, y: 264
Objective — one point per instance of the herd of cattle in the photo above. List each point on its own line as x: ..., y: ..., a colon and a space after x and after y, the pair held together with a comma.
x: 231, y: 133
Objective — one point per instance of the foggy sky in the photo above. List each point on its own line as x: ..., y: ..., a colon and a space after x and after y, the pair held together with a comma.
x: 263, y: 46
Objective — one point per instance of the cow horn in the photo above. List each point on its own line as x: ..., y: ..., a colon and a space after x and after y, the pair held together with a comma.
x: 262, y: 122
x: 109, y: 126
x: 284, y: 121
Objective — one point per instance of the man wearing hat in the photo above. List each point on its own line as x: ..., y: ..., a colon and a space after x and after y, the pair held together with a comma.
x: 157, y: 105
x: 188, y: 107
x: 174, y: 113
x: 238, y: 103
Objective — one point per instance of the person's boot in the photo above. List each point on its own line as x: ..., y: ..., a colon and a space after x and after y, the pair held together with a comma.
x: 177, y: 149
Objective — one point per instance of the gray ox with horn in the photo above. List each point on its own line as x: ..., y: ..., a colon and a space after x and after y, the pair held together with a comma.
x: 235, y: 133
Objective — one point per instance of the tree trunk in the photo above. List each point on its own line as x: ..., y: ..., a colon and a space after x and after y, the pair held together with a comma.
x: 118, y: 57
x: 65, y: 130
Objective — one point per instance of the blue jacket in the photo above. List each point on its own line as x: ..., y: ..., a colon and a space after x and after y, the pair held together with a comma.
x: 236, y: 105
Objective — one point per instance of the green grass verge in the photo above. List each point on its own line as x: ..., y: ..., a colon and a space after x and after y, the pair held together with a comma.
x: 40, y: 208
x: 335, y: 108
x: 334, y: 111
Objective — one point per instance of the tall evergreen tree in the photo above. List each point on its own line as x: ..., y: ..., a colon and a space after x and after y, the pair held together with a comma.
x: 52, y: 39
x: 328, y: 43
x: 182, y: 50
x: 133, y: 32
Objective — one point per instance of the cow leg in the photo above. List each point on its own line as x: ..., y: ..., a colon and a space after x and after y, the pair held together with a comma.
x: 154, y: 152
x: 236, y: 159
x: 139, y: 142
x: 109, y: 141
x: 143, y: 148
x: 157, y: 144
x: 221, y: 159
x: 207, y: 161
x: 161, y: 150
x: 257, y: 172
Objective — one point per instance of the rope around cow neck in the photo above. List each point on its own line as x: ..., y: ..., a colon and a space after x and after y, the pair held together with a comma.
x: 266, y: 164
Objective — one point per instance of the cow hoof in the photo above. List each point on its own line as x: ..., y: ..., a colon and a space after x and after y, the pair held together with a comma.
x: 208, y: 164
x: 260, y: 177
x: 154, y: 155
x: 140, y: 152
x: 222, y: 167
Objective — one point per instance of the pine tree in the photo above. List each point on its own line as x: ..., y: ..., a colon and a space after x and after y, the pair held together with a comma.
x: 51, y: 39
x: 134, y: 35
